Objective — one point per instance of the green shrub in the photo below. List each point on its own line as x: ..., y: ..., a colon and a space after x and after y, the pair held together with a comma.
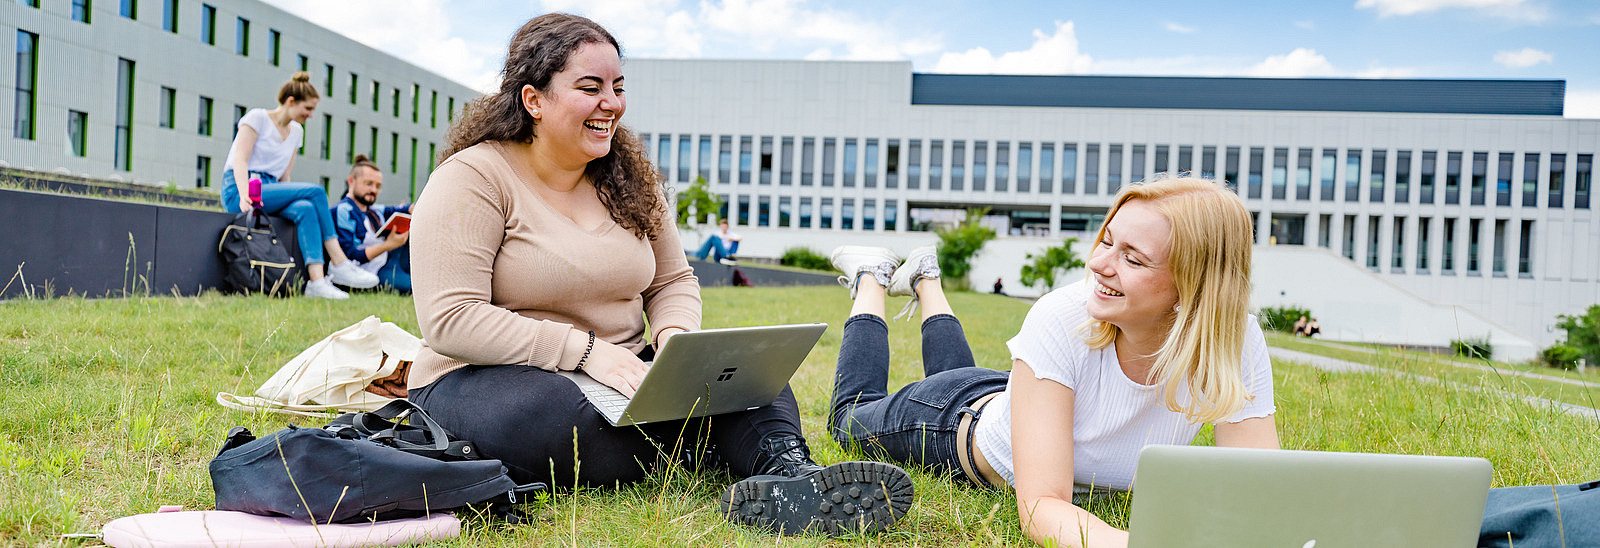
x: 1560, y: 356
x: 1043, y: 268
x: 1281, y: 318
x: 699, y: 201
x: 958, y: 245
x: 1583, y: 332
x: 805, y: 257
x: 1473, y: 347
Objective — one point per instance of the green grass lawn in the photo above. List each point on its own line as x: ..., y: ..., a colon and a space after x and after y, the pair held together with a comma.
x: 106, y: 410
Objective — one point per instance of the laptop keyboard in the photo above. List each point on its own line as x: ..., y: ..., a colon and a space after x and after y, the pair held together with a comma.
x: 606, y: 399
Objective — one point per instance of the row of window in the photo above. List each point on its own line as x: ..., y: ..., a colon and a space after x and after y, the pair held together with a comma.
x: 1349, y: 175
x: 1458, y: 236
x: 375, y: 90
x: 203, y: 178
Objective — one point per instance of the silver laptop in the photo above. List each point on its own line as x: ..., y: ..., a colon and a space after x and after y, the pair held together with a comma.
x: 708, y: 372
x: 1216, y: 496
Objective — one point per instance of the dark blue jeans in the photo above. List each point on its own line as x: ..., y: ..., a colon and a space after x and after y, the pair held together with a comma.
x: 917, y: 424
x: 304, y: 204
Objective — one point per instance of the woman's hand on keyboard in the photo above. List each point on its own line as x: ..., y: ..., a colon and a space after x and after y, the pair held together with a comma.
x: 615, y: 367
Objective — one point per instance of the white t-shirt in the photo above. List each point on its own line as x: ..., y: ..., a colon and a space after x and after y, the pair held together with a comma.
x: 1112, y: 416
x: 271, y: 153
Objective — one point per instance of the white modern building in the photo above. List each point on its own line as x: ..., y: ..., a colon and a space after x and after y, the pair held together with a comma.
x: 1441, y: 208
x: 151, y: 91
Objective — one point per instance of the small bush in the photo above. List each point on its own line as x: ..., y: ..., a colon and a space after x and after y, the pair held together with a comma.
x: 804, y: 257
x: 1473, y: 347
x: 1560, y: 356
x: 1281, y: 318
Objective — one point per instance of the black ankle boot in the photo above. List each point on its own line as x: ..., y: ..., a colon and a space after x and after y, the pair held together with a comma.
x: 795, y: 495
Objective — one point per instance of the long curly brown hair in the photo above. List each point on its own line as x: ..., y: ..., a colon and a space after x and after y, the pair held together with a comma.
x: 628, y: 185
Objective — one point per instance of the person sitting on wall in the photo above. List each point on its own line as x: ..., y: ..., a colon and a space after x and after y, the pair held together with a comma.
x: 265, y: 149
x: 1300, y: 327
x: 999, y: 286
x: 357, y: 219
x: 1313, y: 328
x: 721, y: 244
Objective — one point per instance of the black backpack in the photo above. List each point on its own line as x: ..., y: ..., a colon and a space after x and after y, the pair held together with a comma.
x: 392, y: 463
x: 253, y: 260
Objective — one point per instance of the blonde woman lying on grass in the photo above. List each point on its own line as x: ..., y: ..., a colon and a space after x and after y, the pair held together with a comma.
x: 1155, y: 342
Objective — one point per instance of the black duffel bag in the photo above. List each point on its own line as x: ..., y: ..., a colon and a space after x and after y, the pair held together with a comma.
x: 253, y: 260
x: 1542, y: 516
x: 388, y: 464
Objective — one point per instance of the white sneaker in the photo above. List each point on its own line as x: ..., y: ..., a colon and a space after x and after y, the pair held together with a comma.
x: 854, y: 260
x: 324, y: 289
x: 348, y: 274
x: 921, y: 264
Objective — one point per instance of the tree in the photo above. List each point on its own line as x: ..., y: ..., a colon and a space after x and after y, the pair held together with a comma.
x: 1043, y: 268
x: 1583, y: 332
x: 958, y: 244
x: 699, y: 197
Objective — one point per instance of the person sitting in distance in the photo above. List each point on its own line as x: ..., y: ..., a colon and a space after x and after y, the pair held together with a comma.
x: 545, y: 243
x: 265, y: 149
x: 357, y: 219
x: 721, y: 245
x: 1156, y: 342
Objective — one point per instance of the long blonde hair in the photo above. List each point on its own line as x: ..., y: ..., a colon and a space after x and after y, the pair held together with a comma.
x: 1209, y: 257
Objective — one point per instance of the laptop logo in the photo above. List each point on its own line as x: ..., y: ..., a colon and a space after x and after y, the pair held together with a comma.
x: 1310, y: 544
x: 726, y: 374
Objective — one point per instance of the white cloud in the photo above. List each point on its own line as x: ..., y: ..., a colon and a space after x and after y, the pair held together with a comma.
x: 1307, y: 24
x: 765, y: 25
x: 417, y: 31
x: 1583, y: 104
x: 1300, y: 63
x: 1522, y: 58
x: 1520, y: 10
x: 1172, y: 26
x: 646, y: 28
x: 1050, y: 54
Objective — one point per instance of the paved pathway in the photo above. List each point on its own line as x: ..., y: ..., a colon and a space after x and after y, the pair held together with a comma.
x: 1472, y: 365
x: 1343, y: 366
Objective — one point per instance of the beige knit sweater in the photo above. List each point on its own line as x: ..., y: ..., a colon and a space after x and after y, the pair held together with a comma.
x: 501, y: 277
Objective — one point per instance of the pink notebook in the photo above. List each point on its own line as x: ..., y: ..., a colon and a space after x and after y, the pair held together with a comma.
x: 222, y: 529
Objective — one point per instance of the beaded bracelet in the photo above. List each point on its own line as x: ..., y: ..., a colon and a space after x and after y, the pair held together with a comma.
x: 586, y: 352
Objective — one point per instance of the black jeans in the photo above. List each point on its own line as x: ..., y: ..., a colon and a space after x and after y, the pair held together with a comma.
x: 540, y: 425
x: 917, y: 424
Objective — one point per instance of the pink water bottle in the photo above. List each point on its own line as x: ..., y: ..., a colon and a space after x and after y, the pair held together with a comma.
x: 255, y: 193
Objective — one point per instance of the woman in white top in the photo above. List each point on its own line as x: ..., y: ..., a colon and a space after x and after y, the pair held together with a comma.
x: 1155, y: 342
x: 265, y: 149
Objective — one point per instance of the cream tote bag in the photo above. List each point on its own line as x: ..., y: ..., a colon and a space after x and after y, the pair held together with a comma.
x: 333, y: 374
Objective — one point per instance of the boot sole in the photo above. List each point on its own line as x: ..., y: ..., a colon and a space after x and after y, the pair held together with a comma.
x: 850, y: 497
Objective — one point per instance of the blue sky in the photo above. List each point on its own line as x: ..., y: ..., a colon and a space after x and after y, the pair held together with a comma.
x: 1533, y: 39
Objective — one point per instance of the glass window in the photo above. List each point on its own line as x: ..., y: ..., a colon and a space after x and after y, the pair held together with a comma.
x: 238, y: 114
x: 1525, y: 250
x: 1423, y: 227
x: 1230, y: 169
x: 394, y: 103
x: 305, y: 62
x: 744, y: 210
x: 1499, y: 247
x: 355, y: 93
x: 704, y: 171
x: 203, y: 121
x: 275, y: 47
x: 80, y: 10
x: 1473, y: 234
x: 1375, y: 181
x: 847, y: 217
x: 1348, y: 246
x: 1280, y: 173
x: 725, y: 159
x: 980, y: 165
x: 869, y: 214
x: 1352, y: 175
x: 1558, y: 179
x: 450, y: 109
x: 1185, y: 158
x: 958, y: 165
x: 1257, y: 159
x: 78, y: 133
x: 1372, y: 241
x: 1530, y: 179
x: 663, y: 148
x: 413, y: 168
x: 808, y: 162
x: 869, y: 161
x: 1430, y: 167
x: 764, y: 211
x: 416, y: 101
x: 129, y: 9
x: 1302, y: 174
x: 684, y: 145
x: 372, y: 144
x: 1047, y: 167
x: 1480, y: 176
x: 891, y: 164
x: 1330, y: 167
x: 377, y: 94
x: 1452, y: 178
x: 766, y: 160
x: 394, y: 152
x: 745, y: 159
x: 829, y: 154
x: 1581, y: 179
x: 1397, y: 255
x: 208, y: 24
x: 1448, y: 250
x: 1208, y: 162
x: 1136, y: 159
x: 1502, y: 180
x: 433, y: 109
x: 1091, y: 169
x: 826, y: 213
x: 805, y: 212
x: 914, y: 164
x: 1069, y: 168
x: 169, y: 18
x: 350, y: 143
x: 891, y: 212
x: 1402, y: 177
x: 241, y: 38
x: 935, y: 165
x: 123, y: 153
x: 784, y: 212
x: 27, y: 83
x: 1325, y: 231
x: 202, y: 172
x: 327, y: 137
x: 1113, y: 168
x: 1161, y: 159
x: 1024, y: 166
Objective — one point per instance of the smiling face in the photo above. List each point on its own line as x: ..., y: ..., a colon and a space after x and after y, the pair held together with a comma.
x: 1133, y: 285
x: 365, y: 184
x: 300, y: 111
x: 578, y: 114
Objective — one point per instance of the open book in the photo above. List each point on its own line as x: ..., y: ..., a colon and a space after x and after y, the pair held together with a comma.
x: 399, y: 223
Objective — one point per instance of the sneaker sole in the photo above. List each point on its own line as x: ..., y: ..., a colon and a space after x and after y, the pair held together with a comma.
x: 850, y: 497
